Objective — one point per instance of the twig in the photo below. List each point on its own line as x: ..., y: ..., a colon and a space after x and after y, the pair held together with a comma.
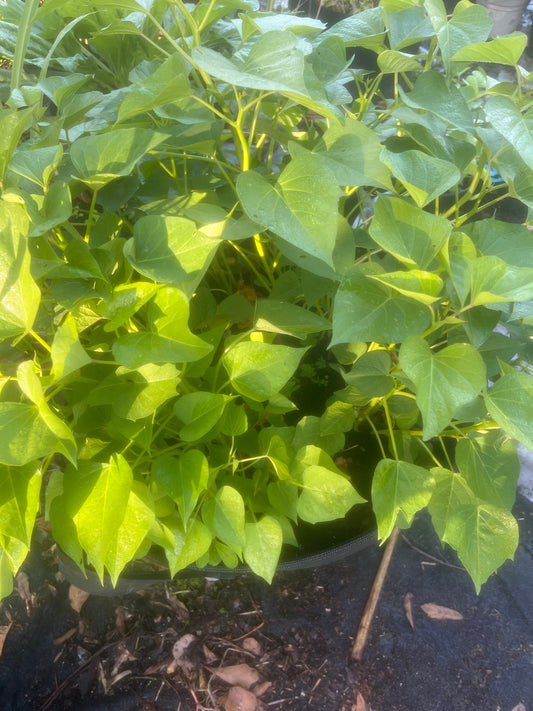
x: 368, y: 614
x: 431, y: 557
x: 64, y: 684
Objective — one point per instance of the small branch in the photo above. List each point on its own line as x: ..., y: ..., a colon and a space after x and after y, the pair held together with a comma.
x: 368, y: 614
x: 431, y: 557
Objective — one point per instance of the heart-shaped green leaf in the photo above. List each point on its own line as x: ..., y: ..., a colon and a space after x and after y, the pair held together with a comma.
x: 325, y: 495
x: 510, y: 403
x: 365, y: 310
x: 399, y: 491
x: 97, y: 496
x: 290, y: 208
x: 138, y: 520
x: 444, y: 381
x: 199, y: 412
x: 259, y: 370
x: 103, y: 157
x: 410, y: 234
x: 184, y: 479
x: 424, y: 176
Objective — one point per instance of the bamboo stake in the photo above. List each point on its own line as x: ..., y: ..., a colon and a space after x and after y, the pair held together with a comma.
x: 370, y: 607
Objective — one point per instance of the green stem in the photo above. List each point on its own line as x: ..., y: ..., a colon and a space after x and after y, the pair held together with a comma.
x: 445, y: 453
x: 380, y: 443
x: 391, y: 430
x: 39, y: 340
x: 90, y: 218
x: 23, y: 37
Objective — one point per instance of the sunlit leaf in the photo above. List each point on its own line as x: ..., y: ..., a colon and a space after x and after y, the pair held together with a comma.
x: 262, y: 548
x: 259, y: 370
x: 444, y: 380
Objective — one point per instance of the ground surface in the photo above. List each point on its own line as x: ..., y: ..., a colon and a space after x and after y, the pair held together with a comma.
x: 289, y: 642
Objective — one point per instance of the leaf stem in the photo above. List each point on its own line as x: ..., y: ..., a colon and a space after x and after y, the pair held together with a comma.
x: 39, y: 340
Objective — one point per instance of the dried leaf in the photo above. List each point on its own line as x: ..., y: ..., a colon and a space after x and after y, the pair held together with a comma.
x: 361, y: 704
x: 77, y: 598
x: 64, y: 637
x: 3, y: 634
x: 237, y: 675
x: 438, y: 612
x: 250, y: 644
x: 239, y: 699
x: 23, y: 587
x: 408, y: 607
x: 120, y: 676
x: 262, y: 688
x: 210, y: 657
x: 186, y: 653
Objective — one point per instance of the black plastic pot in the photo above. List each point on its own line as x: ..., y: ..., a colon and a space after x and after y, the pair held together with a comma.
x: 126, y: 584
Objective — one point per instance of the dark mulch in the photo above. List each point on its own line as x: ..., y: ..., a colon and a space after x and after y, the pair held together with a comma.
x: 117, y: 653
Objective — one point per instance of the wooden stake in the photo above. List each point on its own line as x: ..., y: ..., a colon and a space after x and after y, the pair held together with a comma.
x: 370, y: 607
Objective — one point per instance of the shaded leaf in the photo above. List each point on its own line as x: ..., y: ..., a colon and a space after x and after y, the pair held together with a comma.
x: 510, y: 403
x: 184, y: 479
x: 399, y: 491
x: 19, y: 294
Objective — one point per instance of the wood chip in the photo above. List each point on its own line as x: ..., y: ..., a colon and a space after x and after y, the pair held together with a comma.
x: 239, y: 699
x: 64, y: 637
x: 120, y: 620
x: 77, y: 598
x: 23, y: 587
x: 237, y: 675
x: 3, y: 634
x: 438, y: 612
x: 408, y: 607
x: 361, y: 704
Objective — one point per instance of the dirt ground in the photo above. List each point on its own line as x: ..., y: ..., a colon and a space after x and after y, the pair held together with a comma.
x: 241, y: 645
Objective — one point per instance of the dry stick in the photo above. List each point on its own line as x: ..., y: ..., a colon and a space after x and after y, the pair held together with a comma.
x: 368, y: 614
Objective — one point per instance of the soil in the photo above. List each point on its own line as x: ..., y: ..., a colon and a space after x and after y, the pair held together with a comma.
x: 289, y: 642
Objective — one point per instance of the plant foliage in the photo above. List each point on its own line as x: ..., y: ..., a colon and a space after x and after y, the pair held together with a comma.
x: 194, y: 199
